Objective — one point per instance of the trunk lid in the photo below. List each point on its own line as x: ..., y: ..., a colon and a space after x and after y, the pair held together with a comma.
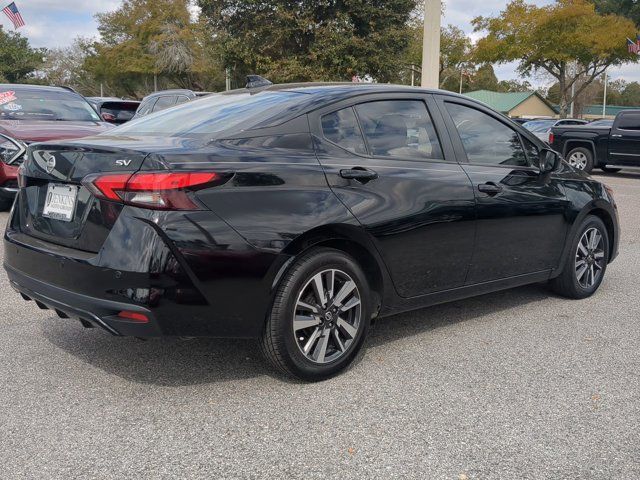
x: 57, y: 170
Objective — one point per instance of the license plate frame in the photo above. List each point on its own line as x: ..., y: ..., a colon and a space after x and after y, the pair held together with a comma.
x: 60, y: 202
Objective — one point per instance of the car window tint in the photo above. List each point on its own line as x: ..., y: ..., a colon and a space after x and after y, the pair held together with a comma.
x: 342, y: 128
x: 485, y: 139
x: 399, y: 128
x: 146, y: 107
x: 182, y: 99
x: 629, y: 121
x: 164, y: 102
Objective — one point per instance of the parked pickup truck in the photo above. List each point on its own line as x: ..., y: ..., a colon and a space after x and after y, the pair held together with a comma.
x: 609, y: 148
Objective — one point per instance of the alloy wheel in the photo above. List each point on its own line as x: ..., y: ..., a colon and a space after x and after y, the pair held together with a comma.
x: 327, y: 316
x: 590, y: 258
x: 578, y: 160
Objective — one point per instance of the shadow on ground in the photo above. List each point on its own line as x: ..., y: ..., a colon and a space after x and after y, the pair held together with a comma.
x: 181, y: 362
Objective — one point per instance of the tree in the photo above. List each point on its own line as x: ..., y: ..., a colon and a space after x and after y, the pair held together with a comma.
x: 66, y: 66
x: 144, y: 40
x: 568, y: 40
x: 18, y: 60
x: 625, y: 8
x: 514, y: 86
x: 310, y: 39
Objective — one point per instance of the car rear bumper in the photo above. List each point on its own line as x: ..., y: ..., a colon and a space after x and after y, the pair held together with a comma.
x: 98, y: 312
x: 193, y: 277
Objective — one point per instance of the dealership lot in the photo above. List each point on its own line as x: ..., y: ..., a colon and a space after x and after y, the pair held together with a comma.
x: 517, y: 384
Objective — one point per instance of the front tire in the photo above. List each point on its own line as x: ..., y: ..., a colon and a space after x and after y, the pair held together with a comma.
x: 320, y: 316
x: 581, y: 158
x: 587, y: 263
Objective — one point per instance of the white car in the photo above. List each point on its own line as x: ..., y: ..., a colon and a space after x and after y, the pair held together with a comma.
x: 542, y: 128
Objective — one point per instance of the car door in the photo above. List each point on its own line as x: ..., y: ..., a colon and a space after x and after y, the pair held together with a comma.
x: 521, y: 222
x: 624, y: 140
x: 386, y: 159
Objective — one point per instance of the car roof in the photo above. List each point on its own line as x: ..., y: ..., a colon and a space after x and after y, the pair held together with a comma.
x: 28, y: 86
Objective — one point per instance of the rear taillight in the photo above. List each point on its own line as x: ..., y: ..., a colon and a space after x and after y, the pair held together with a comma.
x: 158, y: 190
x: 551, y: 138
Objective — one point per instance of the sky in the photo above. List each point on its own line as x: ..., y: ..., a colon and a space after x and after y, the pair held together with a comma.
x: 55, y: 23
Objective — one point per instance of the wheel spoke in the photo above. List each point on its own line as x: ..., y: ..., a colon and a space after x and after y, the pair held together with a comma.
x: 301, y: 322
x: 599, y: 254
x: 581, y: 271
x: 595, y: 239
x: 347, y: 328
x: 579, y: 263
x: 330, y: 283
x: 318, y: 289
x: 583, y: 250
x: 320, y: 351
x: 306, y: 306
x: 336, y: 338
x: 312, y: 339
x: 355, y: 301
x: 346, y: 289
x: 592, y: 273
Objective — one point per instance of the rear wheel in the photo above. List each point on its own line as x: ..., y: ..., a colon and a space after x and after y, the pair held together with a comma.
x: 610, y: 169
x: 588, y: 257
x: 320, y: 316
x: 5, y: 204
x: 581, y: 158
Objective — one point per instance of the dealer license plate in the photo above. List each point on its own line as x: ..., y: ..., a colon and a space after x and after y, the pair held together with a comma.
x: 60, y: 202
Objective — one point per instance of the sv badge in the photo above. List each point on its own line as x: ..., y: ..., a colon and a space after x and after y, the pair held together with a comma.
x: 123, y: 163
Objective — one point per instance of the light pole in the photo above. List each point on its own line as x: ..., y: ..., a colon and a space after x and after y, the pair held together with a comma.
x: 431, y: 44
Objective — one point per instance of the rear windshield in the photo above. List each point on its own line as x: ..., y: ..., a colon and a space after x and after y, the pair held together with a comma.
x: 217, y: 113
x: 31, y: 104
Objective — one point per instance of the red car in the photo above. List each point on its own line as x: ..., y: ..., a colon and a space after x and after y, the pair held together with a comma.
x: 33, y: 113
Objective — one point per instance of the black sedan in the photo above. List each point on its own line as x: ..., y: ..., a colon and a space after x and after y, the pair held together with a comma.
x: 298, y: 214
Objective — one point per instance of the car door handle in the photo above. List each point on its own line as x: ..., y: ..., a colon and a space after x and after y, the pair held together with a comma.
x: 359, y: 173
x: 490, y: 188
x: 616, y: 135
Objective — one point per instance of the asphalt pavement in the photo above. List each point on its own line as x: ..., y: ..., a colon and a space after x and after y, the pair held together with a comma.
x: 514, y: 385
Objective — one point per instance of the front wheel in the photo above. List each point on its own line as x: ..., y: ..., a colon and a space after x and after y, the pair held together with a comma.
x: 588, y: 257
x: 320, y: 316
x: 581, y: 158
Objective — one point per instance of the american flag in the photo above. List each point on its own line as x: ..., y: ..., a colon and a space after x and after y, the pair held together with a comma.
x: 12, y: 12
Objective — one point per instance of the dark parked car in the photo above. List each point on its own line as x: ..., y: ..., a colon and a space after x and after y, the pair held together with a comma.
x: 298, y: 214
x: 542, y: 128
x: 599, y: 145
x: 164, y: 99
x: 114, y: 110
x: 33, y: 113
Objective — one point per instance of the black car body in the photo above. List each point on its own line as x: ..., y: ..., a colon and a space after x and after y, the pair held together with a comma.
x: 114, y: 110
x: 241, y: 189
x: 599, y: 145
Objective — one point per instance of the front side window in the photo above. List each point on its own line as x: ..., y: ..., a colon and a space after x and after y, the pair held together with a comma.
x: 399, y: 128
x: 342, y: 128
x: 486, y: 140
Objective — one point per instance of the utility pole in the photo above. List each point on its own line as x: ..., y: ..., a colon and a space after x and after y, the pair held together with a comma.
x: 604, y: 101
x: 431, y: 44
x: 227, y: 78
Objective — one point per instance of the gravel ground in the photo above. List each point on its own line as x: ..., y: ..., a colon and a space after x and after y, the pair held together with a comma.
x: 518, y: 384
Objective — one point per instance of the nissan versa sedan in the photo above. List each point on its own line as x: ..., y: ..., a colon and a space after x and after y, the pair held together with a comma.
x: 297, y: 215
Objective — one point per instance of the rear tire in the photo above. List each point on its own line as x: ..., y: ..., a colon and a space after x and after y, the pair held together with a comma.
x: 587, y: 260
x: 320, y: 316
x: 581, y: 158
x: 610, y: 169
x: 5, y: 204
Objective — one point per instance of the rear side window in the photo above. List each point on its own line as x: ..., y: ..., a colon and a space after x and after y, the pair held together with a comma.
x: 146, y: 107
x: 182, y: 99
x: 400, y: 129
x: 629, y: 121
x: 342, y: 128
x: 164, y: 102
x: 486, y: 141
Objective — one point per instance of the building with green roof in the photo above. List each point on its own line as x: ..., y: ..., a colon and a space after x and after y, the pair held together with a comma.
x: 515, y: 104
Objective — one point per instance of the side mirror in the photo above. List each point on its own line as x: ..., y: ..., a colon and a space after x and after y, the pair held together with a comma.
x: 549, y: 160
